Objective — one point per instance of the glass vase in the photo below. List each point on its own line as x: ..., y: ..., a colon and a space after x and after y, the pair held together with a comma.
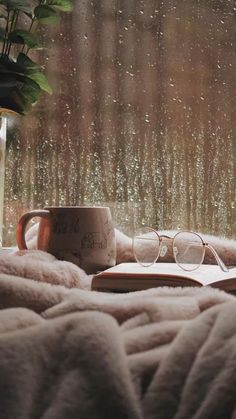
x: 3, y: 138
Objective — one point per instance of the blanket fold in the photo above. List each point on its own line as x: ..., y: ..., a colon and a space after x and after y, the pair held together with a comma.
x: 197, y: 378
x: 54, y: 370
x: 66, y: 351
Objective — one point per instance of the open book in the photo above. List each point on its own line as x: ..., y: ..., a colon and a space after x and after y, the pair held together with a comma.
x: 132, y: 277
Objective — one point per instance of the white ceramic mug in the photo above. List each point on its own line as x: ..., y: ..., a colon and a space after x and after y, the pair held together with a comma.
x: 82, y: 235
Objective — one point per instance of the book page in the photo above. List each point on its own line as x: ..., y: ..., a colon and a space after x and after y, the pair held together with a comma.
x: 205, y: 274
x: 209, y: 274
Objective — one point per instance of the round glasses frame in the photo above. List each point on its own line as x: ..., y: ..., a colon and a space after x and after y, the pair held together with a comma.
x: 162, y: 248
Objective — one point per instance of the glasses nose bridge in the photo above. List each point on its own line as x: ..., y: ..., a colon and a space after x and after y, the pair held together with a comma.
x: 164, y: 247
x: 163, y: 236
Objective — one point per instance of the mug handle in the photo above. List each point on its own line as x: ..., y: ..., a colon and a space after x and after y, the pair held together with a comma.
x: 22, y: 223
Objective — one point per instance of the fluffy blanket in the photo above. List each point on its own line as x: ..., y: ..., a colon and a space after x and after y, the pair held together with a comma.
x: 66, y: 351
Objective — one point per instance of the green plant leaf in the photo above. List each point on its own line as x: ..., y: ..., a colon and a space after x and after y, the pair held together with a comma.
x: 24, y: 61
x: 18, y: 92
x: 22, y: 81
x: 29, y: 92
x: 12, y: 72
x: 46, y: 14
x: 20, y: 5
x: 63, y: 5
x: 34, y: 72
x: 20, y: 36
x: 41, y: 80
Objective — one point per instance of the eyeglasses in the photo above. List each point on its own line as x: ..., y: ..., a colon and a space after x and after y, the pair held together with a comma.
x: 188, y: 248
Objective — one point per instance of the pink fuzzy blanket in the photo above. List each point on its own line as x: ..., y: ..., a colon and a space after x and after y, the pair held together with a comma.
x: 66, y: 351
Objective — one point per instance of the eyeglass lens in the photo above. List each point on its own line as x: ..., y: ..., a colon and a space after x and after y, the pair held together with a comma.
x: 146, y: 246
x: 188, y: 250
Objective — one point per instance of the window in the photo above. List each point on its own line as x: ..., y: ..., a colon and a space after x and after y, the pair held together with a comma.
x: 142, y: 117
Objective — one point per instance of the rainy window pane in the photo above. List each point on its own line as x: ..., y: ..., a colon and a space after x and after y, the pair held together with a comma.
x: 142, y: 117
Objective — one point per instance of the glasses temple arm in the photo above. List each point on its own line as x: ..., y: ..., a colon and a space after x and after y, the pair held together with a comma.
x: 214, y: 252
x: 217, y: 257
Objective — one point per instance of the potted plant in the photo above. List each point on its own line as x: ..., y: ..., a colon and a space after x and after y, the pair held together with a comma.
x: 22, y: 80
